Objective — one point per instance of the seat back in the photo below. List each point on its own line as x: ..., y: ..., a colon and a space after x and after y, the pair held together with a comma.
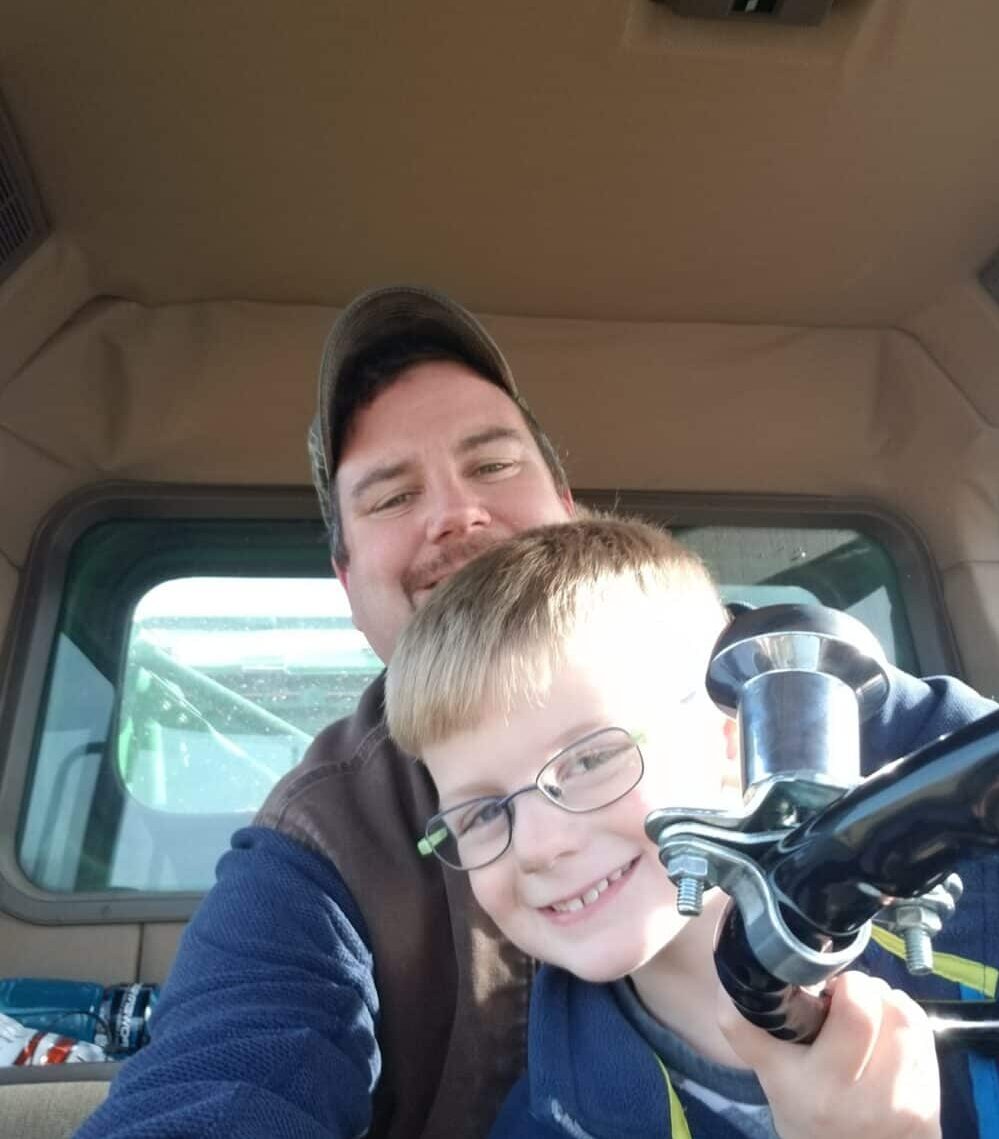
x: 50, y: 1103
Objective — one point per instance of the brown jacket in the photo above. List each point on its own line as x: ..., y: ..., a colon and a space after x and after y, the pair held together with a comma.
x: 453, y: 993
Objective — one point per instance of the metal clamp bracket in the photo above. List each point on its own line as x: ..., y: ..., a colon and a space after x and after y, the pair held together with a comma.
x: 775, y: 946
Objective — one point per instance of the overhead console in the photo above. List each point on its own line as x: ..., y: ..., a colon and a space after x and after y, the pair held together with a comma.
x: 776, y: 11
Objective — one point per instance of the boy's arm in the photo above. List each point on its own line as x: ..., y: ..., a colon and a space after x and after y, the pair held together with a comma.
x: 871, y: 1073
x: 266, y: 1026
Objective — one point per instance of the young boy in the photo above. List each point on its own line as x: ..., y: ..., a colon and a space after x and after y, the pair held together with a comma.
x: 554, y: 688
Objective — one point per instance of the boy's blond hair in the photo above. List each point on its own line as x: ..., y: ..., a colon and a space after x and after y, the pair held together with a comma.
x: 495, y: 634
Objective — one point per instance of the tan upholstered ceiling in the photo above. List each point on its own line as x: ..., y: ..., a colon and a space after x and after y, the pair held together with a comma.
x: 588, y: 158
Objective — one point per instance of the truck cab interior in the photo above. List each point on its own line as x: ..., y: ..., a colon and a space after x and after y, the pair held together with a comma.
x: 742, y: 257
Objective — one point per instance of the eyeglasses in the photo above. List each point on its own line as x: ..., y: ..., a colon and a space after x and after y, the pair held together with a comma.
x: 591, y: 773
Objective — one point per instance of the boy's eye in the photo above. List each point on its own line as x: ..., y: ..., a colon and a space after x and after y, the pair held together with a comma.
x: 589, y: 761
x: 592, y: 761
x: 480, y: 815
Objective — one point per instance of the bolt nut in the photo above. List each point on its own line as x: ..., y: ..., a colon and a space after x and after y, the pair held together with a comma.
x: 690, y: 873
x: 688, y: 865
x: 916, y: 917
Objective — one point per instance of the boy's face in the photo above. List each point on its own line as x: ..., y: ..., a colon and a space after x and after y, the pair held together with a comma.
x: 556, y: 857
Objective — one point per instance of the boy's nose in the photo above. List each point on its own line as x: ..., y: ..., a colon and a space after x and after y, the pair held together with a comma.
x: 542, y: 833
x: 455, y: 509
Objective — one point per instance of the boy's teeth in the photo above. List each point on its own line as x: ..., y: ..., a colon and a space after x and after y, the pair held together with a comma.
x: 591, y: 895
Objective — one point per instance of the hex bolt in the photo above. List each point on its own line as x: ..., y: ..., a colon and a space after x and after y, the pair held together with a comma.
x: 918, y: 922
x: 689, y: 872
x: 918, y: 951
x: 689, y: 896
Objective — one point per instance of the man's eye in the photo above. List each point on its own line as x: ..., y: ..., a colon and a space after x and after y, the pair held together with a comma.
x: 495, y: 467
x: 392, y: 502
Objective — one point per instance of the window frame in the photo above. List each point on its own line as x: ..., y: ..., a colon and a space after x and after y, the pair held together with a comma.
x: 919, y: 581
x: 34, y: 626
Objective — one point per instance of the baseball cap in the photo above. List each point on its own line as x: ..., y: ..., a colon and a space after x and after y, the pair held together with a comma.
x: 379, y: 316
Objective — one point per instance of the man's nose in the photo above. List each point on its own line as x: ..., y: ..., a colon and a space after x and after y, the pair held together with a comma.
x: 455, y: 509
x: 542, y: 833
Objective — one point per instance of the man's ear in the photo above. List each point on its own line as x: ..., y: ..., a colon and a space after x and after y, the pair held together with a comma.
x: 568, y: 502
x: 342, y: 575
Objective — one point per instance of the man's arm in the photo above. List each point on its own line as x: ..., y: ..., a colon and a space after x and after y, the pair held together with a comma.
x: 916, y: 713
x: 266, y: 1026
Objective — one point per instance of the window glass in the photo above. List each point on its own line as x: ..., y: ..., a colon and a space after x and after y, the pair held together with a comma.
x: 227, y: 680
x: 765, y: 565
x: 194, y: 661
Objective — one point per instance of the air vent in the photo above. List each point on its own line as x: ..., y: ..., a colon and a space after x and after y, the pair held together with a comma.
x: 22, y: 223
x: 760, y: 11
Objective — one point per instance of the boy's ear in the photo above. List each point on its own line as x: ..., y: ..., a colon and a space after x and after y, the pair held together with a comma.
x: 732, y: 770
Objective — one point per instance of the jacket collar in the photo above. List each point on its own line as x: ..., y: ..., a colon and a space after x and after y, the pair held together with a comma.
x: 591, y: 1074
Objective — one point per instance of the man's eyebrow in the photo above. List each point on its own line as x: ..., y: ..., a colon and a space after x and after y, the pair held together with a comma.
x: 488, y: 435
x: 377, y: 475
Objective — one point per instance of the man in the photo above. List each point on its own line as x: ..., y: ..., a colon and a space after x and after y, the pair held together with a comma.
x: 432, y: 457
x: 333, y: 983
x: 423, y: 455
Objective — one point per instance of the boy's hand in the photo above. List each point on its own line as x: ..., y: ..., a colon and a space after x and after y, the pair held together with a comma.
x: 871, y: 1072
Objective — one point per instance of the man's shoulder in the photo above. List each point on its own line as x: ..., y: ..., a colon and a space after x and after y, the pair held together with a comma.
x: 348, y: 771
x: 346, y: 743
x: 917, y: 712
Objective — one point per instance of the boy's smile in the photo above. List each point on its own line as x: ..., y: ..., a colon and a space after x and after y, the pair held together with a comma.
x: 569, y: 909
x: 586, y: 891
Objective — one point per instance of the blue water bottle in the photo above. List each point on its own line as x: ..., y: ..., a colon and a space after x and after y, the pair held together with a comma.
x: 115, y: 1017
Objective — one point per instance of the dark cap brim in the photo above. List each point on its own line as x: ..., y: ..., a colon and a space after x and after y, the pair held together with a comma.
x: 377, y: 317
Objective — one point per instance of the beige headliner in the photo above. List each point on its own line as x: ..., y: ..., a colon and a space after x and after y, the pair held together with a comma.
x: 587, y: 158
x: 623, y: 190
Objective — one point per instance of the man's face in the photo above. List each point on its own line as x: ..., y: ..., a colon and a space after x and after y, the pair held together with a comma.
x: 439, y: 467
x: 601, y: 859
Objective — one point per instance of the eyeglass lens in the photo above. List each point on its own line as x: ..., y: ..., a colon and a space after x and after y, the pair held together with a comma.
x: 591, y: 773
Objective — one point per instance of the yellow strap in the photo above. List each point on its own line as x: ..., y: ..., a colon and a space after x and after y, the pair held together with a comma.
x: 960, y: 970
x: 677, y: 1120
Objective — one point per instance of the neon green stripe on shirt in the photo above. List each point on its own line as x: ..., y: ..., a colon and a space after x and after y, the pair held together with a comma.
x: 677, y: 1120
x: 960, y: 970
